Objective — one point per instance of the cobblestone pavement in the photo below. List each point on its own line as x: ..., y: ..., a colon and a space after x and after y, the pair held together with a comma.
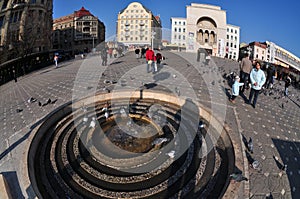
x: 273, y: 125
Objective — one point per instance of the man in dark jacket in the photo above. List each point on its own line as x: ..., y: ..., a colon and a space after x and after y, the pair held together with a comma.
x: 245, y: 69
x: 270, y: 74
x: 288, y: 82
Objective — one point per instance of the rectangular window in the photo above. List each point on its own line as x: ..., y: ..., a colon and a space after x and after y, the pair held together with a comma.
x: 227, y: 36
x: 183, y: 30
x: 184, y: 23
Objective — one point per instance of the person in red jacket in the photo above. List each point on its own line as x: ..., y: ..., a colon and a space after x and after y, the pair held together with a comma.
x: 150, y: 58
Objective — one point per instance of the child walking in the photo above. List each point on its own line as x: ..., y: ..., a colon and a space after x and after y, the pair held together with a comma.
x: 235, y: 89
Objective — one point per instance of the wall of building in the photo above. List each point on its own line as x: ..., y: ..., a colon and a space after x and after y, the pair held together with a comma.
x: 25, y: 27
x: 232, y: 42
x: 136, y: 25
x: 217, y: 17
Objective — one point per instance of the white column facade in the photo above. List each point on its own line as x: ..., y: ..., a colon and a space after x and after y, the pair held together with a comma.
x: 206, y: 28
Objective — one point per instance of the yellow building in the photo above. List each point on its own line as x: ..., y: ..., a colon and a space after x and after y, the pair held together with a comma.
x: 137, y: 26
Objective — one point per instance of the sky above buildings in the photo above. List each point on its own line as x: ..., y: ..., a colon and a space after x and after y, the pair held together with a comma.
x: 260, y: 20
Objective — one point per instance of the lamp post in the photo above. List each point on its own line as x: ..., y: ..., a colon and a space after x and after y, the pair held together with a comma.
x: 153, y: 33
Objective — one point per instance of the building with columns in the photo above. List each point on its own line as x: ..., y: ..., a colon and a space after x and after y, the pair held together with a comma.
x: 206, y: 28
x: 25, y: 28
x: 137, y: 26
x: 78, y: 32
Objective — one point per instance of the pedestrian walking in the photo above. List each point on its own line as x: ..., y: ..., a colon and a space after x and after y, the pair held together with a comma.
x: 158, y: 58
x: 235, y: 89
x: 150, y: 58
x: 287, y: 83
x: 115, y: 53
x: 257, y: 78
x: 270, y: 76
x: 104, y: 57
x: 198, y: 54
x: 137, y: 53
x: 245, y: 69
x: 56, y: 60
x: 143, y: 51
x: 14, y: 75
x: 110, y: 52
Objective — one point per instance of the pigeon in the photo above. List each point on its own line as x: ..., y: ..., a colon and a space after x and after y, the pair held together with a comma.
x: 53, y: 102
x: 106, y: 114
x: 171, y: 154
x: 201, y: 124
x: 49, y: 101
x: 177, y: 91
x: 40, y: 104
x: 123, y: 112
x: 238, y: 177
x: 89, y: 87
x: 284, y: 167
x: 282, y: 106
x: 19, y: 110
x: 132, y: 78
x: 174, y: 76
x: 250, y: 145
x: 269, y: 196
x: 103, y: 75
x: 158, y: 141
x: 213, y: 83
x: 31, y: 100
x: 93, y: 123
x: 85, y: 119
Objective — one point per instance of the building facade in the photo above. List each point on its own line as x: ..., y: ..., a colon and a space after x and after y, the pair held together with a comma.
x: 271, y: 53
x: 137, y: 26
x: 232, y: 41
x: 25, y: 27
x: 78, y: 32
x: 178, y: 32
x: 206, y: 28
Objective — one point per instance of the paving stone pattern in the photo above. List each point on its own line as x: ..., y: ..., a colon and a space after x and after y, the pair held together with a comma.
x: 273, y: 125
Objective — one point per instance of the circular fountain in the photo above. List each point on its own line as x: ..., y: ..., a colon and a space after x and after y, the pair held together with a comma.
x: 132, y: 150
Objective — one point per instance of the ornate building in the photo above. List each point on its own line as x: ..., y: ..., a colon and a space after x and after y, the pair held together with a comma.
x: 78, y: 32
x: 25, y: 27
x: 137, y: 26
x: 205, y: 27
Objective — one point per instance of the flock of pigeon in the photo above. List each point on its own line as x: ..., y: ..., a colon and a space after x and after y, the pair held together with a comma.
x: 33, y: 100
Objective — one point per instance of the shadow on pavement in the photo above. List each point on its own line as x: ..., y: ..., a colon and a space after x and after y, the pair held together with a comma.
x: 290, y: 158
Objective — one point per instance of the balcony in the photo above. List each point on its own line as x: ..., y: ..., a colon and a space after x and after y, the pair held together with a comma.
x: 126, y: 29
x: 142, y: 23
x: 127, y: 35
x: 127, y: 24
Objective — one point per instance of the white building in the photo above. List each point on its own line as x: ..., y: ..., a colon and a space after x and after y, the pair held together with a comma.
x: 232, y: 41
x: 137, y: 26
x: 206, y: 28
x: 178, y: 33
x: 272, y: 53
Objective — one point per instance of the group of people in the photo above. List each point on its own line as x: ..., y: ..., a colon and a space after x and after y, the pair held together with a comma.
x: 111, y: 53
x: 255, y: 79
x: 153, y: 60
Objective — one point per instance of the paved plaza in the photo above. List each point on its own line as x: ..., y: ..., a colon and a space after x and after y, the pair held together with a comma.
x: 273, y: 125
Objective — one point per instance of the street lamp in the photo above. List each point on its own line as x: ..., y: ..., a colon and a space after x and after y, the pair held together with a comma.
x: 153, y: 33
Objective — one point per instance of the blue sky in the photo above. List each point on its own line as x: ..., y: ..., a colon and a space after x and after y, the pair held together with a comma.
x: 260, y: 20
